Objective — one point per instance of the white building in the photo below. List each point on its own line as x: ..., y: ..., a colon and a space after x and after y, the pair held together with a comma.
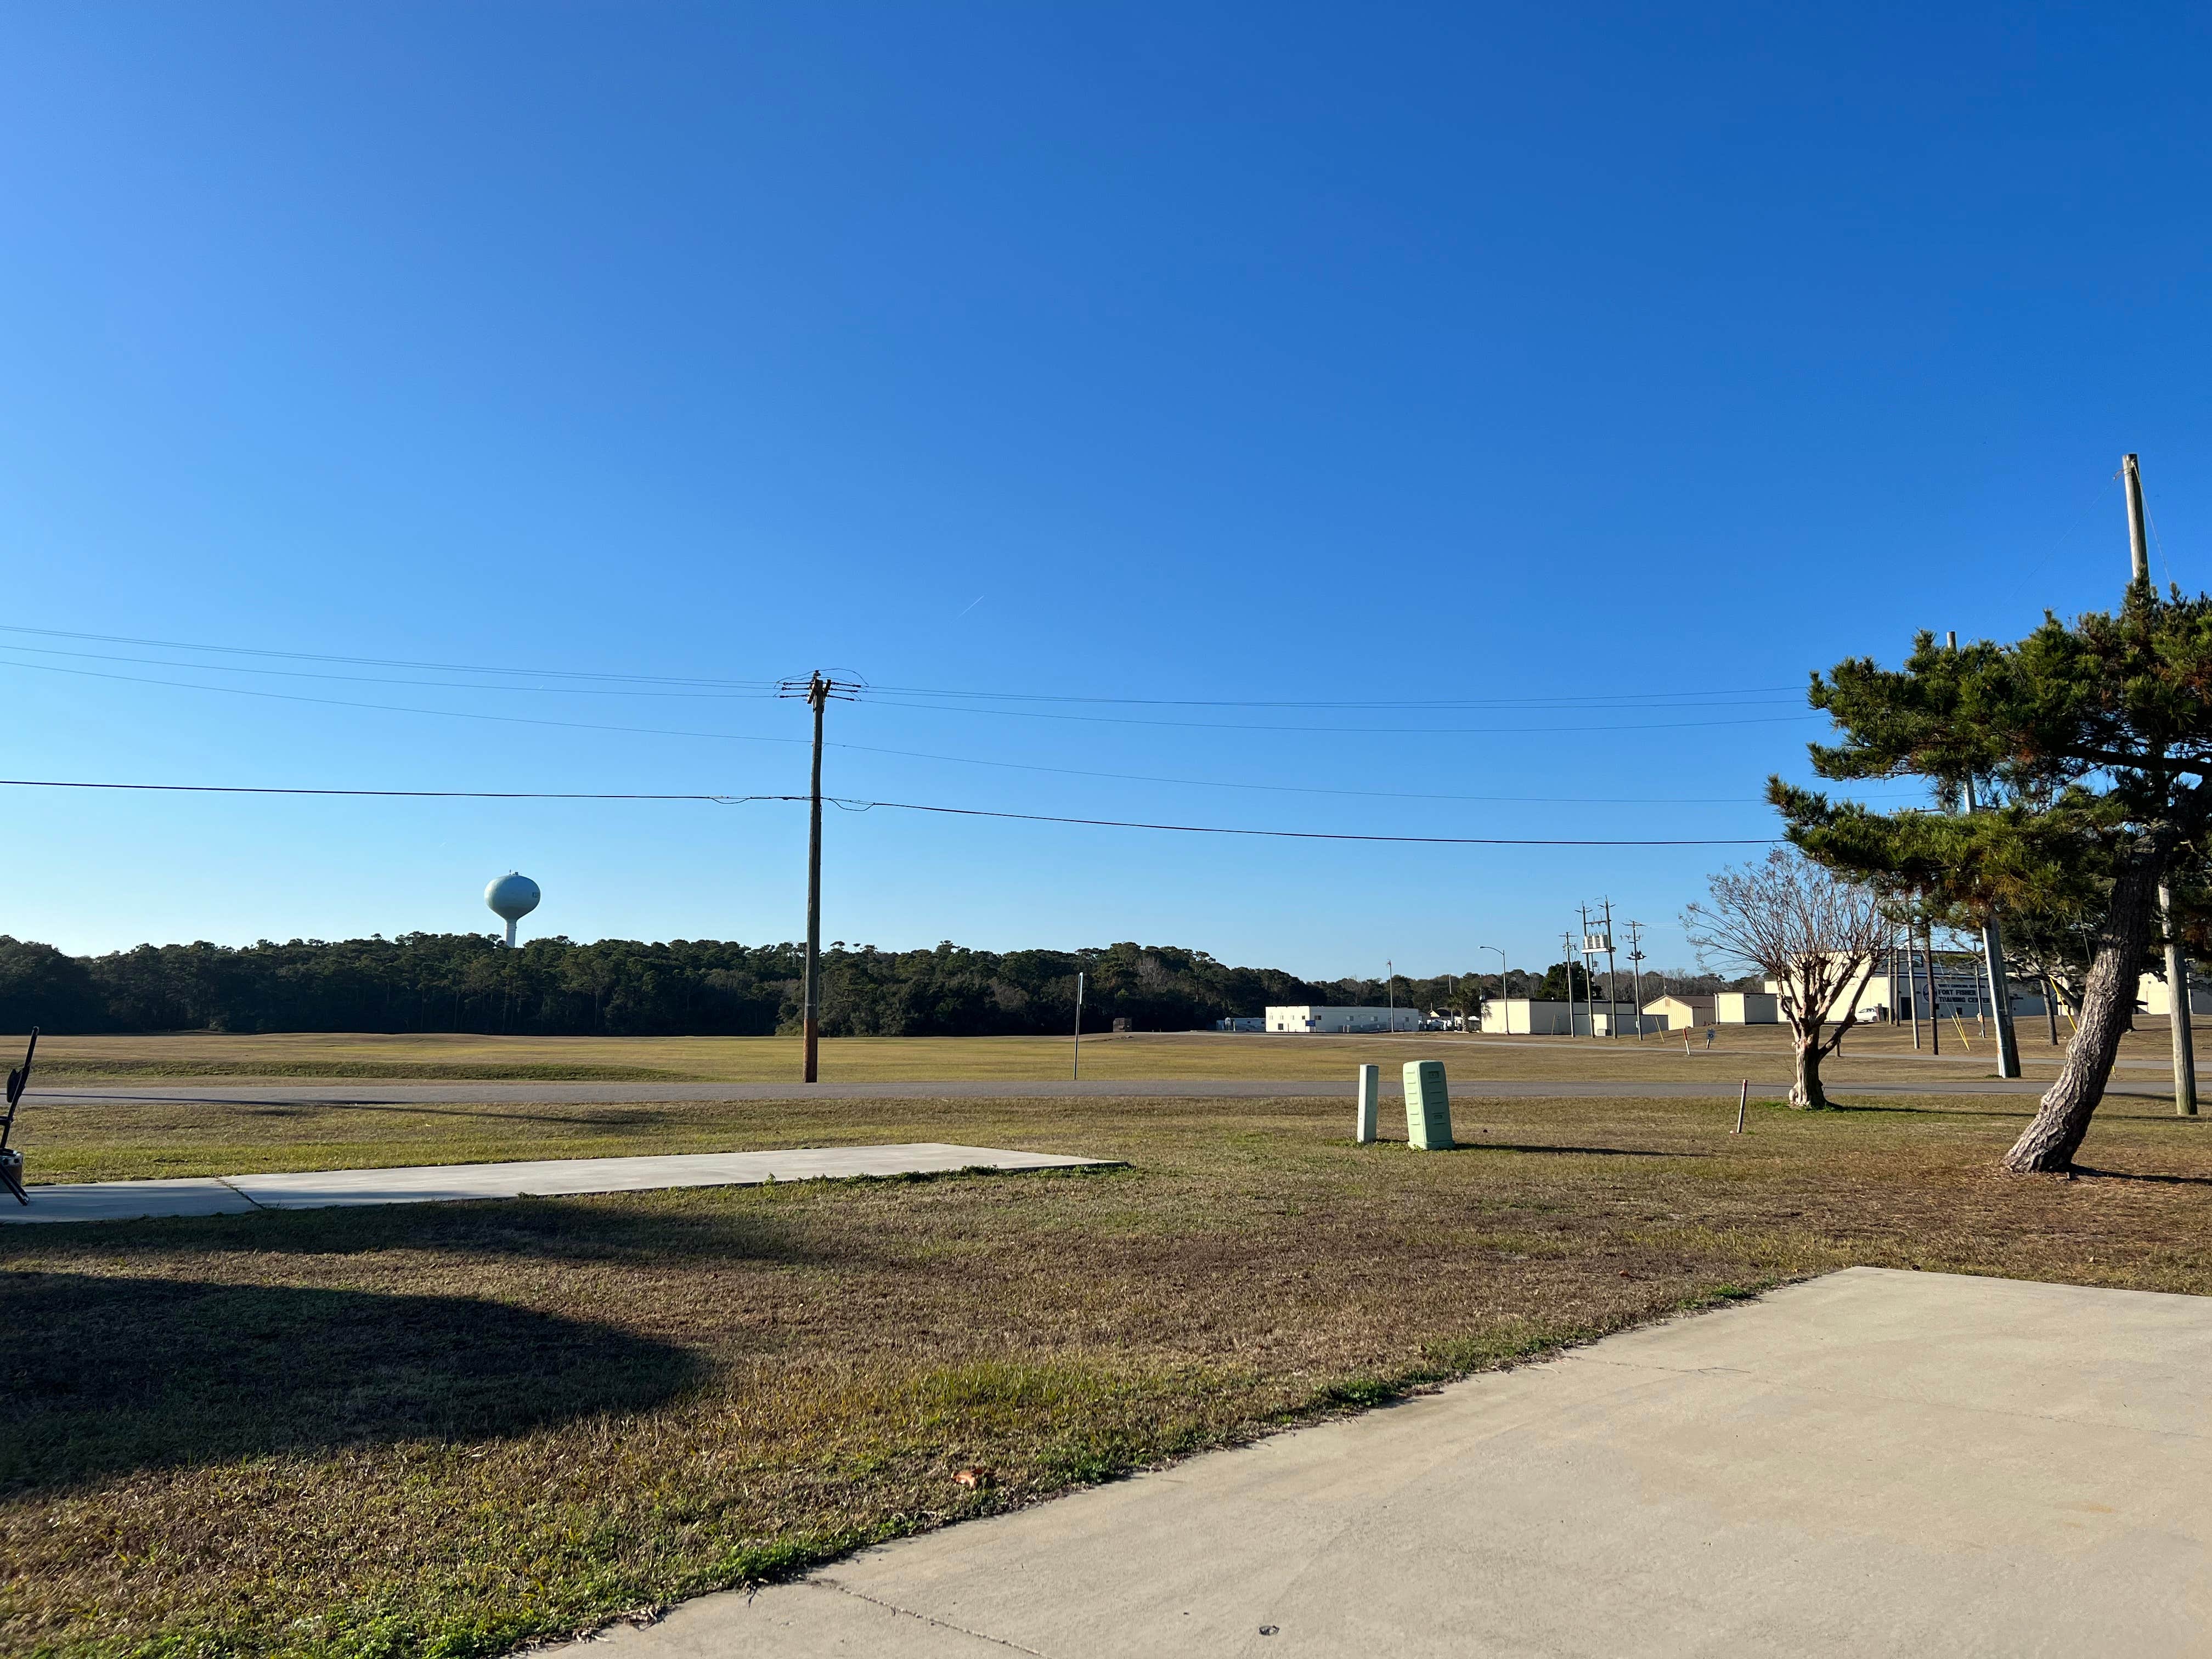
x: 2153, y: 996
x: 1746, y: 1008
x: 1342, y: 1021
x: 1521, y: 1016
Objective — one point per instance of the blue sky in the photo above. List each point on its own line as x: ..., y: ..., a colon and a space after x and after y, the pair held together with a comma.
x: 1623, y: 364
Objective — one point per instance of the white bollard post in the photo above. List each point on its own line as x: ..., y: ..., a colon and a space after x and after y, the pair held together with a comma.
x: 1371, y: 1105
x: 1428, y: 1108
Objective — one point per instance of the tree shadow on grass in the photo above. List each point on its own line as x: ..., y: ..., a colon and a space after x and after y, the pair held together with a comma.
x: 588, y: 1115
x: 1836, y: 1105
x: 1585, y: 1151
x: 2083, y: 1169
x: 103, y: 1376
x: 614, y: 1227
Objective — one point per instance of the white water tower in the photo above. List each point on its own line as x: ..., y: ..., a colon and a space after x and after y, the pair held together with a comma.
x: 513, y: 897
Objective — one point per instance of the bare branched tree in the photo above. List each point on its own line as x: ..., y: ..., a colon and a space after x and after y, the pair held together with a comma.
x: 1814, y: 934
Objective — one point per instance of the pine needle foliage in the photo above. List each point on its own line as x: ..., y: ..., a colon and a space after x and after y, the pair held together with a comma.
x: 2089, y: 748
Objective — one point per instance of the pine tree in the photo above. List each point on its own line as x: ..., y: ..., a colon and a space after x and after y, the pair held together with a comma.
x: 2089, y: 745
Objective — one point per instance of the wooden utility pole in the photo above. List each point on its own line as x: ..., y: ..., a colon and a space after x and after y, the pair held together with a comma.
x: 818, y: 688
x: 1567, y: 941
x: 818, y: 699
x: 1612, y: 978
x: 1590, y: 985
x: 1635, y: 971
x: 2176, y: 964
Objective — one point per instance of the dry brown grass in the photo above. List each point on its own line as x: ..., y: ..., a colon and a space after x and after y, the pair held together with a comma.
x: 444, y: 1429
x: 1757, y: 1052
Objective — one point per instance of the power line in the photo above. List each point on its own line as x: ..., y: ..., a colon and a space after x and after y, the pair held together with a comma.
x: 1621, y: 699
x: 378, y: 662
x: 1351, y: 730
x: 1316, y: 789
x: 392, y: 708
x: 735, y: 736
x: 1306, y: 834
x: 1564, y: 701
x: 391, y: 794
x: 861, y: 748
x: 374, y: 679
x: 892, y: 806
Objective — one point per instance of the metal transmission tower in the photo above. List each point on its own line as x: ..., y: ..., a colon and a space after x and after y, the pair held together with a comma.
x: 817, y: 689
x: 2176, y: 961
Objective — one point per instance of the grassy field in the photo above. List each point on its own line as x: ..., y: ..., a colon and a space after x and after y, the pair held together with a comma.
x: 445, y: 1429
x: 1757, y: 1052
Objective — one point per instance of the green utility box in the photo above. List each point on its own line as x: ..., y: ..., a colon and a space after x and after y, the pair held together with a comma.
x: 1371, y: 1105
x: 1428, y: 1108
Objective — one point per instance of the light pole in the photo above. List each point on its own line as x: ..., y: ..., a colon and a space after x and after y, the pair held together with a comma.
x: 1501, y: 990
x: 1076, y: 1075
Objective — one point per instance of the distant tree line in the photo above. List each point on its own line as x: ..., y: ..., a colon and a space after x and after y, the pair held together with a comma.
x: 685, y: 987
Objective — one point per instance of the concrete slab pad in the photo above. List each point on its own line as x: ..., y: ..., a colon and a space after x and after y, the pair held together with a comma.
x: 125, y: 1200
x: 558, y: 1177
x: 1876, y: 1462
x: 118, y: 1201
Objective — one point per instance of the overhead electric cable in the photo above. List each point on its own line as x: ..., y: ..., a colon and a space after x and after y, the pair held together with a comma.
x: 856, y: 805
x: 391, y: 794
x: 646, y: 731
x: 1346, y: 731
x: 1564, y: 701
x: 1623, y: 699
x: 1302, y: 834
x: 1311, y: 789
x: 396, y: 709
x: 924, y: 755
x: 374, y: 662
x: 378, y: 679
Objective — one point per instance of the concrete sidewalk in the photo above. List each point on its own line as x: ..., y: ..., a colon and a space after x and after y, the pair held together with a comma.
x: 318, y: 1190
x: 1874, y: 1462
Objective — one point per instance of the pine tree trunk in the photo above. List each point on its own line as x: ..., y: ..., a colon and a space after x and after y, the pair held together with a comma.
x: 2108, y: 1001
x: 1805, y: 1092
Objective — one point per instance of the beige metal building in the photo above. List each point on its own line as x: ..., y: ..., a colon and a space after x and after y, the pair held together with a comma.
x: 1523, y: 1017
x: 1683, y: 1013
x: 2155, y: 996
